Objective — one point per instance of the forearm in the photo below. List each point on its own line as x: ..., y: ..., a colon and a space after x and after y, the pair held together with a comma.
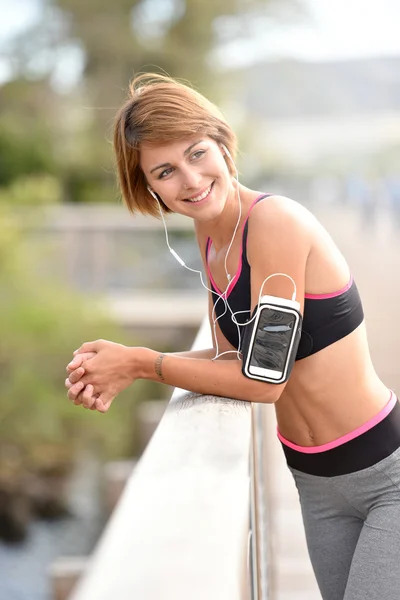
x: 207, y: 353
x: 203, y: 376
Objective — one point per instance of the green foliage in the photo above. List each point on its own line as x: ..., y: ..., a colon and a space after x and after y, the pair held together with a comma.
x: 88, y: 185
x: 39, y: 189
x: 26, y: 135
x: 42, y: 323
x: 23, y: 153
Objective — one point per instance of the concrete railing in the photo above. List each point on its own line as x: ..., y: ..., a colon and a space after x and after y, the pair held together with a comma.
x: 102, y: 249
x: 121, y: 260
x: 192, y: 520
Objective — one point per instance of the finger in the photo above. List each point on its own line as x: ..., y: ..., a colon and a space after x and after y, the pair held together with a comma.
x: 78, y: 400
x: 87, y: 396
x: 68, y: 384
x: 95, y: 396
x: 103, y: 403
x: 75, y: 363
x: 76, y: 375
x: 75, y: 390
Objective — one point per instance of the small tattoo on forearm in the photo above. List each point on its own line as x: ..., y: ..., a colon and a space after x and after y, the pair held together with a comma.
x: 158, y: 366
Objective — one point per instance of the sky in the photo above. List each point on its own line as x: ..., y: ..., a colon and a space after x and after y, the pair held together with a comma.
x: 335, y: 29
x: 16, y: 15
x: 347, y: 29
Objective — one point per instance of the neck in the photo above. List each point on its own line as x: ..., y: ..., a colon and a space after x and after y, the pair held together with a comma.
x: 221, y: 229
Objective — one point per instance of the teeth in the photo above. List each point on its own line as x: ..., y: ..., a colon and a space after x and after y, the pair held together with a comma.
x: 201, y: 197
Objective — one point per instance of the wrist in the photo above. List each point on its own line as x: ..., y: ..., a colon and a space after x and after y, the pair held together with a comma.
x: 143, y: 361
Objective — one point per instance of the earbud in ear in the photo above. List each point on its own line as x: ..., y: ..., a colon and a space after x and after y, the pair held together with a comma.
x: 225, y: 149
x: 228, y: 154
x: 152, y: 193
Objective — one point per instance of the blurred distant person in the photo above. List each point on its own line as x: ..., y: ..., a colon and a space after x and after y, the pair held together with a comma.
x: 325, y: 190
x: 338, y: 423
x: 393, y: 190
x: 362, y: 193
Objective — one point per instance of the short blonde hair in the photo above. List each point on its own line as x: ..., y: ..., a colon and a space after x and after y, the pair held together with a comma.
x: 158, y: 110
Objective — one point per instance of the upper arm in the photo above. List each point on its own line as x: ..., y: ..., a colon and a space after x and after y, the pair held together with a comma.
x: 279, y: 241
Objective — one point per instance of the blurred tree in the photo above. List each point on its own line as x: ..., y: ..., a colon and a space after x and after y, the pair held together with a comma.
x: 41, y: 433
x: 101, y: 46
x: 176, y: 36
x: 25, y: 129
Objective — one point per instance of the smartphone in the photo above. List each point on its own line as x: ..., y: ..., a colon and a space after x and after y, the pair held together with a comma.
x: 271, y: 346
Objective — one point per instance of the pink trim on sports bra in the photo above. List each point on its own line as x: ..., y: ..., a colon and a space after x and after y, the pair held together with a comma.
x: 331, y: 294
x: 344, y: 438
x: 233, y: 281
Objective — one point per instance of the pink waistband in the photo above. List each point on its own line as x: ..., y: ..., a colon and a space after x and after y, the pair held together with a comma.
x: 344, y: 438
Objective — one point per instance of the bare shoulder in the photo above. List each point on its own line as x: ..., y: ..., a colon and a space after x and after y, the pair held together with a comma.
x: 281, y: 207
x: 281, y: 217
x: 279, y: 242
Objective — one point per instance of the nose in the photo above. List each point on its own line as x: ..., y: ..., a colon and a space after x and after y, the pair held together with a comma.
x: 190, y: 178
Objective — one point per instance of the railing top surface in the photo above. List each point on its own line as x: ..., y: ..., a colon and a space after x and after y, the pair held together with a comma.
x: 180, y: 530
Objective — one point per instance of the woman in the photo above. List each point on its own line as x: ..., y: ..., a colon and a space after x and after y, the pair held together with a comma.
x: 338, y: 423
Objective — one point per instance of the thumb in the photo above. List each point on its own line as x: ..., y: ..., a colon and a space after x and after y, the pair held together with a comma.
x: 88, y: 347
x: 79, y: 359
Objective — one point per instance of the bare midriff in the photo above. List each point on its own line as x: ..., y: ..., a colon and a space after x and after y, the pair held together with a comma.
x: 331, y: 393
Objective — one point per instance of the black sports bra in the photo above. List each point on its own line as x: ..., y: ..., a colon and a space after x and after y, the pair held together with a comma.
x: 327, y: 318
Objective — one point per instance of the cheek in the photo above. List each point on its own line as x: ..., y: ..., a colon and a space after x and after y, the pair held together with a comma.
x: 223, y: 167
x: 167, y: 190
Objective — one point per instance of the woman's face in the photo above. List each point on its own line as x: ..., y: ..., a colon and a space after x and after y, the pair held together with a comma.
x: 190, y: 176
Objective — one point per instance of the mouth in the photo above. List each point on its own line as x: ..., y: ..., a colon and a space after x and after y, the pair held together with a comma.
x: 201, y: 197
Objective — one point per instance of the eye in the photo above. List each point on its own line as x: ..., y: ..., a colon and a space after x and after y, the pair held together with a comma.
x: 164, y: 173
x: 198, y: 154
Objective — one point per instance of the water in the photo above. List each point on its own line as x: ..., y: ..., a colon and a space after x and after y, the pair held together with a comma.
x: 24, y: 568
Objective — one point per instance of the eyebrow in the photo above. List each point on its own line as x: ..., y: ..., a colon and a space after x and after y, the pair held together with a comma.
x: 187, y: 151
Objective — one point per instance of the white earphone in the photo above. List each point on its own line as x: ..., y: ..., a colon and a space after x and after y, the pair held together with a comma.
x: 152, y: 193
x: 225, y: 149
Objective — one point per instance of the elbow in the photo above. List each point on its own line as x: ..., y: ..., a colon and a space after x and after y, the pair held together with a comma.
x: 259, y: 391
x: 266, y: 393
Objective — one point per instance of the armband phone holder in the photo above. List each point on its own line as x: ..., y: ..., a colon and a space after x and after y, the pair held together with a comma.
x: 270, y: 342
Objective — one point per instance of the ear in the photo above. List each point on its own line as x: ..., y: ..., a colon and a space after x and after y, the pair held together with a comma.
x: 152, y: 192
x: 225, y: 151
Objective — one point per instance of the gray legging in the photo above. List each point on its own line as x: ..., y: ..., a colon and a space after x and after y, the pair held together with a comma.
x: 352, y: 525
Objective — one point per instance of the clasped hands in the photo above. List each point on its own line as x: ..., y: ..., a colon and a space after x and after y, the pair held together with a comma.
x: 98, y: 372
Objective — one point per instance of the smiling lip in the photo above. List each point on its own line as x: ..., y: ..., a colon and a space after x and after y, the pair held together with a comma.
x: 189, y: 199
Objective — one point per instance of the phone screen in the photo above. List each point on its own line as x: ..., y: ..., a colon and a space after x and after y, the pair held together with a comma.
x: 272, y: 339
